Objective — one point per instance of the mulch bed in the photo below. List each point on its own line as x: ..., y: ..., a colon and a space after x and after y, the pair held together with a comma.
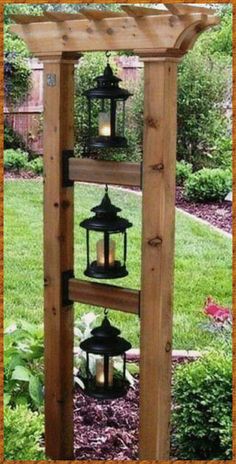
x: 106, y: 430
x: 218, y: 214
x: 109, y: 430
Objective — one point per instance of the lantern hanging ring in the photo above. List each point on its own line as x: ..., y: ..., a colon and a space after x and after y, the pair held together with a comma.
x: 108, y: 54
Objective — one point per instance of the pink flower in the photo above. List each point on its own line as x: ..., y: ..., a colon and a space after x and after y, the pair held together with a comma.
x: 216, y: 312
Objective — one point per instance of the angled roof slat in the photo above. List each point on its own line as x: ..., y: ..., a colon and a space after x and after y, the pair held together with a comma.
x: 139, y: 11
x: 96, y: 15
x: 59, y: 16
x: 180, y: 9
x: 27, y: 19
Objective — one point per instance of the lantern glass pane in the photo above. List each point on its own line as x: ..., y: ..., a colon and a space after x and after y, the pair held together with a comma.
x: 98, y: 248
x: 101, y: 119
x: 120, y: 118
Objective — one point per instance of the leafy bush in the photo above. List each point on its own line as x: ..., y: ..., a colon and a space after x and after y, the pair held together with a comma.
x: 183, y: 171
x: 203, y: 408
x: 14, y: 160
x: 36, y: 165
x: 23, y: 431
x: 23, y: 365
x: 17, y: 78
x: 12, y: 139
x: 203, y: 88
x: 208, y: 185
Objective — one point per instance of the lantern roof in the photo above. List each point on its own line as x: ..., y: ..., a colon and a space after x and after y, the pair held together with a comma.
x: 108, y: 86
x: 106, y: 218
x: 105, y: 340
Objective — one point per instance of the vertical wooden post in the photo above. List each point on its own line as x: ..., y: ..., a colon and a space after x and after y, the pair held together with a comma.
x: 58, y: 255
x: 160, y: 82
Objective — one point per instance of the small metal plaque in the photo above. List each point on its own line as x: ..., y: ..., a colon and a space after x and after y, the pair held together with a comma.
x: 51, y: 80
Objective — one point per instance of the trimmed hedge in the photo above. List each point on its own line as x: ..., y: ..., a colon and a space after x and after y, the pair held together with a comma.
x: 202, y: 418
x: 208, y: 185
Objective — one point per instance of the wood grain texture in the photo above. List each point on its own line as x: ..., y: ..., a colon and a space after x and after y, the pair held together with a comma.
x: 96, y: 15
x: 118, y: 33
x: 160, y: 81
x: 105, y: 172
x: 107, y: 296
x: 139, y: 11
x: 58, y: 257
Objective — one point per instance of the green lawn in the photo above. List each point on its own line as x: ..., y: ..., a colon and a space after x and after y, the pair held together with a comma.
x: 202, y: 263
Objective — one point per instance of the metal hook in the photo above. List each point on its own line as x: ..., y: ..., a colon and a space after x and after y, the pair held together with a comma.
x: 106, y: 188
x: 106, y: 312
x: 108, y: 54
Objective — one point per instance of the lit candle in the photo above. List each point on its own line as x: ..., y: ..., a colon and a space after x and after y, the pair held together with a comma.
x: 104, y: 125
x: 101, y: 253
x: 100, y: 378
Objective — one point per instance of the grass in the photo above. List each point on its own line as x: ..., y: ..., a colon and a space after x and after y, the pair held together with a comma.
x: 202, y: 262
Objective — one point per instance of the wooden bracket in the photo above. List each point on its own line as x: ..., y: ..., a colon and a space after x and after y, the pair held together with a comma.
x: 66, y: 155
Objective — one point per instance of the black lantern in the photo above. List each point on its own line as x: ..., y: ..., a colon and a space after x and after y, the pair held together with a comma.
x: 105, y: 362
x: 108, y: 99
x: 112, y: 244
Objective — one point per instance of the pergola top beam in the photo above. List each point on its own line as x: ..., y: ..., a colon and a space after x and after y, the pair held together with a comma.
x: 113, y: 33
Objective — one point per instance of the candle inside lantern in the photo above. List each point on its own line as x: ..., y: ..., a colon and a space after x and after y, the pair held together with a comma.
x: 101, y: 253
x: 104, y: 125
x: 100, y: 377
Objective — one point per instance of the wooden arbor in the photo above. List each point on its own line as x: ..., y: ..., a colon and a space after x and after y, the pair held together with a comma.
x: 160, y: 38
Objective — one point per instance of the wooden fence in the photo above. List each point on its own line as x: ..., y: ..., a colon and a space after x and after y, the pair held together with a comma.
x: 27, y: 119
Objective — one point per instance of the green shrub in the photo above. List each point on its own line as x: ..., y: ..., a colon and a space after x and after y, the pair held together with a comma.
x: 12, y: 139
x: 17, y: 79
x: 203, y: 88
x: 14, y: 160
x: 202, y: 423
x: 183, y: 171
x: 23, y: 431
x: 208, y: 185
x: 23, y: 365
x: 36, y: 165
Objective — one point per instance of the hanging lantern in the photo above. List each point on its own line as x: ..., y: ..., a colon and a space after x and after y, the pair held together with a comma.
x: 105, y: 350
x: 109, y: 100
x: 113, y: 243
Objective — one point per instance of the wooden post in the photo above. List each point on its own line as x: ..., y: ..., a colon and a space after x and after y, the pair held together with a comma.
x: 160, y: 82
x: 58, y: 256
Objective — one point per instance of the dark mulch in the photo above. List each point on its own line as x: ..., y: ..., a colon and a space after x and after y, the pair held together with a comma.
x: 106, y: 430
x: 218, y: 214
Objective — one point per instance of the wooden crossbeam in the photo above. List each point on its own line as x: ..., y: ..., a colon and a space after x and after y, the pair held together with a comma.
x: 139, y: 11
x: 99, y: 15
x: 118, y: 33
x: 180, y: 9
x: 105, y: 172
x: 107, y: 296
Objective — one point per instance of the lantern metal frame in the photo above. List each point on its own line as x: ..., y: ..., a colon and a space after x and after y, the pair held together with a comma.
x: 107, y: 88
x: 105, y: 342
x: 108, y: 223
